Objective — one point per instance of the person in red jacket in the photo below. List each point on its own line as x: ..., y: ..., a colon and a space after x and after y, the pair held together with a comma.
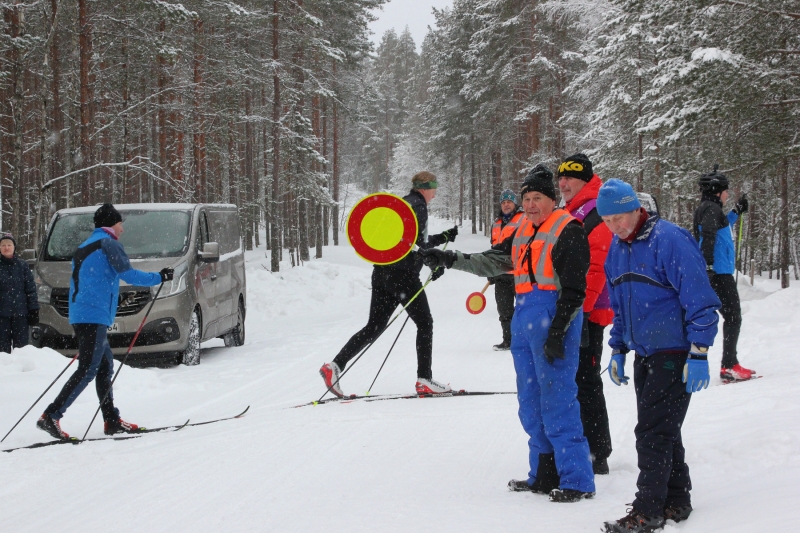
x: 579, y: 187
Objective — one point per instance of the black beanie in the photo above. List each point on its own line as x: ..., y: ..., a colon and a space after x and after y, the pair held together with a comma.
x: 8, y: 236
x: 106, y: 216
x: 539, y: 179
x: 576, y: 166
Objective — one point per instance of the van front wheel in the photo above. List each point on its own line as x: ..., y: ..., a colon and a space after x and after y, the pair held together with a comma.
x: 191, y: 355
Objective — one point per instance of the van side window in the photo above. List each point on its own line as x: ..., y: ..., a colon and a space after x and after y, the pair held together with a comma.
x: 225, y: 230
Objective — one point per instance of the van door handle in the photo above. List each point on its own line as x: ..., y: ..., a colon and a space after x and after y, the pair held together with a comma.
x: 213, y: 277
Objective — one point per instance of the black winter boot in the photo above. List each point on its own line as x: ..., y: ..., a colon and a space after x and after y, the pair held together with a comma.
x: 677, y: 513
x: 635, y: 522
x: 600, y: 467
x: 569, y: 495
x: 547, y: 477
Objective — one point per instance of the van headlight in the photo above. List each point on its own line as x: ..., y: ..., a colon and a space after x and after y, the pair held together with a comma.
x: 178, y: 283
x: 43, y: 291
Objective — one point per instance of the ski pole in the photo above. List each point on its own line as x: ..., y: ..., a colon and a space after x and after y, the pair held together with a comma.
x: 40, y: 397
x: 387, y: 355
x: 367, y: 347
x: 739, y: 244
x: 136, y: 336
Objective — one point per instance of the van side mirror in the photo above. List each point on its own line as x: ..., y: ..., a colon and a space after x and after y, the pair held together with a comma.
x: 29, y: 256
x: 210, y: 253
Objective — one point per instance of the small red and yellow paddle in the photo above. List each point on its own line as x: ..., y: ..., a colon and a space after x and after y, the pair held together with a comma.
x: 476, y: 302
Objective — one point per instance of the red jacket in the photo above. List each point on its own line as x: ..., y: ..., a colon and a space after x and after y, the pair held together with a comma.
x: 596, y: 304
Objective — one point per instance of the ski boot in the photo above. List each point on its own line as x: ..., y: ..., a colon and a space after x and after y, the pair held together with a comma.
x: 429, y: 386
x: 737, y: 373
x: 330, y: 374
x: 52, y: 427
x: 112, y: 427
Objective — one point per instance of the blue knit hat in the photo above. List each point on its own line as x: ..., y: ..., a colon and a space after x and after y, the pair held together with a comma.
x: 509, y: 195
x: 616, y: 197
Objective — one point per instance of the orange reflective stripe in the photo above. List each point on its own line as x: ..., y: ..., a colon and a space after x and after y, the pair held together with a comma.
x: 541, y: 248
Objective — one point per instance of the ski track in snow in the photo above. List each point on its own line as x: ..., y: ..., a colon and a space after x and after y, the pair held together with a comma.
x: 396, y: 466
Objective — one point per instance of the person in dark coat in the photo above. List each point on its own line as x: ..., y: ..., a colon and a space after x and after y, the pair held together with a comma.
x: 505, y: 226
x: 713, y: 231
x: 394, y: 285
x: 19, y: 305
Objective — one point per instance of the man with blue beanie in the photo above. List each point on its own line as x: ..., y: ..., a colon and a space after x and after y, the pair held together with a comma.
x: 503, y: 230
x: 97, y: 266
x: 664, y: 311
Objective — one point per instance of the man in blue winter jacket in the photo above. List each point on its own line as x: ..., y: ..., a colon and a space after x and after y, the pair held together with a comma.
x: 664, y: 311
x: 97, y: 266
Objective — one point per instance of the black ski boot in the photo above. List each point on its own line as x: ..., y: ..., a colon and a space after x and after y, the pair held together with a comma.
x: 569, y: 495
x: 677, y: 513
x: 635, y: 522
x: 52, y: 427
x: 600, y: 467
x: 503, y: 346
x: 547, y: 477
x: 112, y: 427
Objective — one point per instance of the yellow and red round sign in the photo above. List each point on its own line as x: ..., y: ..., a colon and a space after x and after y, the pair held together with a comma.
x: 476, y: 303
x: 382, y: 228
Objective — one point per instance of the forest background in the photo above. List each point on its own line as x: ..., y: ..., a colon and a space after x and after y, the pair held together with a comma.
x: 277, y: 105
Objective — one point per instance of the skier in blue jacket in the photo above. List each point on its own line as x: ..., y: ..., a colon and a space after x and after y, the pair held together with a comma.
x: 97, y: 266
x: 664, y: 311
x: 713, y: 231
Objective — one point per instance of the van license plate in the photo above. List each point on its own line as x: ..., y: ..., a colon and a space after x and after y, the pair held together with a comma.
x: 115, y: 328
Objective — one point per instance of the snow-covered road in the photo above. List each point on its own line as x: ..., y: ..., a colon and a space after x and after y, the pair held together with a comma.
x: 395, y: 466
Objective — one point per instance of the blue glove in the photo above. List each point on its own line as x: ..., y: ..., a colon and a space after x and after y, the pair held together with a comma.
x: 616, y: 369
x: 695, y: 372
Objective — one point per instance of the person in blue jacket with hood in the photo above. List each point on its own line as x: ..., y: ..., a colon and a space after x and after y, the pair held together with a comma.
x: 97, y: 266
x: 666, y: 312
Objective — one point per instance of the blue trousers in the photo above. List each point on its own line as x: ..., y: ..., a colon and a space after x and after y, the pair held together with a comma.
x: 95, y: 360
x: 547, y: 393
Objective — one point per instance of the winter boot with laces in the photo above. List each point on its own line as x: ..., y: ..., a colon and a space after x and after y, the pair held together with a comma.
x: 737, y: 373
x: 330, y: 374
x: 52, y: 427
x: 677, y: 513
x: 429, y: 386
x: 113, y: 427
x: 569, y: 495
x: 635, y: 522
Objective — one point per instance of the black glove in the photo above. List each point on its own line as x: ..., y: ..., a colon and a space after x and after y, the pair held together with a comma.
x: 742, y: 205
x: 166, y: 274
x: 450, y: 234
x: 33, y: 317
x: 554, y: 345
x: 434, y: 258
x: 491, y: 280
x: 437, y: 273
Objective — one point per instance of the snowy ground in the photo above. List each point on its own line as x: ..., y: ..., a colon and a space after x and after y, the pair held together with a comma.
x: 395, y: 466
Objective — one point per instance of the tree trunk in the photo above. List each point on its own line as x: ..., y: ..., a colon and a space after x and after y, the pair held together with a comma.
x: 86, y: 99
x: 784, y: 231
x: 275, y: 245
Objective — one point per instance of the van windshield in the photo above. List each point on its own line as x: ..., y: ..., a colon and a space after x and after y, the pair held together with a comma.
x: 146, y: 235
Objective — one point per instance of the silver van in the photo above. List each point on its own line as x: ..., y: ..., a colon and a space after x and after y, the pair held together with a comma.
x: 207, y: 297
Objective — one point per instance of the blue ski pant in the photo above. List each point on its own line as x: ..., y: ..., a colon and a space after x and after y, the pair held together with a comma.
x: 547, y: 393
x: 95, y: 360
